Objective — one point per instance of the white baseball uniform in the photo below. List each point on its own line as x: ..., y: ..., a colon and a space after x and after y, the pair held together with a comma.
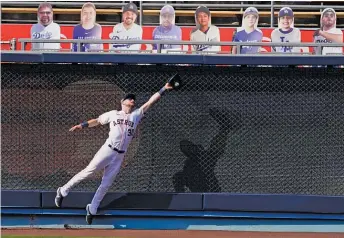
x: 121, y: 33
x: 329, y: 50
x: 292, y: 35
x: 213, y: 34
x: 110, y: 156
x: 52, y: 31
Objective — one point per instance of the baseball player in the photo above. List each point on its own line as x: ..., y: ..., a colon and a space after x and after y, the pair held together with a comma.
x: 110, y: 156
x: 286, y: 31
x: 204, y: 31
x: 88, y: 29
x: 127, y: 30
x: 45, y: 28
x: 248, y: 32
x: 328, y: 32
x: 167, y: 29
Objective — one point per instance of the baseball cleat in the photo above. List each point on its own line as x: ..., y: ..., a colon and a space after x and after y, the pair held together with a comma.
x: 58, y: 198
x: 89, y: 216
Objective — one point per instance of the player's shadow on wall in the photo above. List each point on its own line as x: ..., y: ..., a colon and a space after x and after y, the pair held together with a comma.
x: 198, y: 173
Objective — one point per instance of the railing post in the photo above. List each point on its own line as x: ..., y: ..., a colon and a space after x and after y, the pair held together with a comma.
x: 141, y: 13
x: 23, y: 44
x: 13, y: 43
x: 78, y: 46
x: 272, y: 14
x: 158, y: 49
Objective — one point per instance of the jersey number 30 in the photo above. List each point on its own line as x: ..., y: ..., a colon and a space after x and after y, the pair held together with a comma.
x: 130, y: 132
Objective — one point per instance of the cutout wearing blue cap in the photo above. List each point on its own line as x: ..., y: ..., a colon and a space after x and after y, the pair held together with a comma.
x: 286, y: 11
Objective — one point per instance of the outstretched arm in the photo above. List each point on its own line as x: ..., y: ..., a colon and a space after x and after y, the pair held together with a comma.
x: 156, y: 96
x: 89, y: 123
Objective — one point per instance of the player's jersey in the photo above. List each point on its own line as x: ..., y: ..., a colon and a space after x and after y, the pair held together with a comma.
x: 52, y: 31
x: 95, y: 33
x: 212, y: 34
x: 292, y: 35
x: 167, y: 33
x: 242, y: 36
x: 122, y: 127
x: 329, y: 50
x: 121, y: 33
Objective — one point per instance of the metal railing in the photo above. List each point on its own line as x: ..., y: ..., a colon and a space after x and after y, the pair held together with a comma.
x: 144, y: 5
x: 12, y: 43
x: 160, y: 43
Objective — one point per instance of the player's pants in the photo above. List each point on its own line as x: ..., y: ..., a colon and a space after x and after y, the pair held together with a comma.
x: 106, y: 159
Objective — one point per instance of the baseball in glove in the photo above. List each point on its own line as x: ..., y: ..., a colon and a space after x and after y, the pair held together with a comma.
x: 175, y: 81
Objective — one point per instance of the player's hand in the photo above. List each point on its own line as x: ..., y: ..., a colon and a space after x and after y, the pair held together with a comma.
x: 317, y: 32
x: 75, y: 127
x: 124, y: 164
x: 168, y: 86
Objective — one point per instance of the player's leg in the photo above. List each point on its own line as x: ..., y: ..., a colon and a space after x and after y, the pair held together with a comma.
x: 110, y: 173
x: 102, y: 158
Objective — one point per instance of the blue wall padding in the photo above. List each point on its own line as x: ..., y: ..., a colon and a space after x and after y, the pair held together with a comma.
x: 73, y: 200
x: 182, y: 201
x: 19, y: 198
x: 164, y: 201
x: 52, y: 57
x: 274, y: 203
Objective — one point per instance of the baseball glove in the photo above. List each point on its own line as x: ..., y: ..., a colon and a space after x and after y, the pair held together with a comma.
x: 175, y: 81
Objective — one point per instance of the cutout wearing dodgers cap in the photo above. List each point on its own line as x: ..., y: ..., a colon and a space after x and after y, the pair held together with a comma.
x: 205, y: 10
x: 251, y: 10
x: 286, y: 11
x: 130, y: 7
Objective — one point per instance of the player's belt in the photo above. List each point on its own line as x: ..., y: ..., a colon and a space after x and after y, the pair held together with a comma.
x: 117, y: 150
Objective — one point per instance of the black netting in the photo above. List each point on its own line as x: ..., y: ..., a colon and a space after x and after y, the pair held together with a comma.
x: 229, y: 129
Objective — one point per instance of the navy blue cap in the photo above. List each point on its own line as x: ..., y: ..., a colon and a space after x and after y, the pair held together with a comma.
x: 130, y: 7
x: 129, y: 96
x: 202, y: 9
x: 286, y: 11
x: 251, y: 10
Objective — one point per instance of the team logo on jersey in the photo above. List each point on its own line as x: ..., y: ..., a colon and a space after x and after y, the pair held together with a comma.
x: 285, y: 48
x: 115, y: 37
x: 323, y: 41
x: 204, y: 47
x: 42, y: 35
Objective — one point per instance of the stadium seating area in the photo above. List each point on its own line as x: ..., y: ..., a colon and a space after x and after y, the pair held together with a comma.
x: 307, y: 13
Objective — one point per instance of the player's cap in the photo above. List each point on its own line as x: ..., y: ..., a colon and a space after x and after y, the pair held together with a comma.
x: 328, y: 10
x: 286, y: 11
x: 129, y: 96
x: 167, y: 9
x: 251, y: 11
x: 130, y: 7
x: 202, y: 9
